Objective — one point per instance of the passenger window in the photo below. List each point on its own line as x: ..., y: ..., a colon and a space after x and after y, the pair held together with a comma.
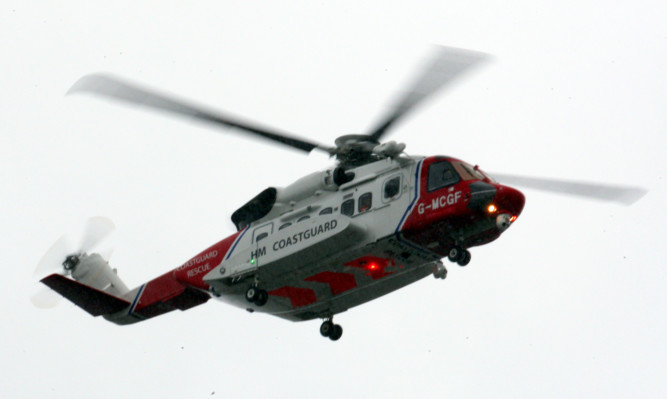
x: 302, y: 218
x: 347, y: 208
x: 286, y: 225
x: 392, y: 187
x: 365, y: 202
x: 326, y: 211
x: 441, y: 174
x: 261, y: 236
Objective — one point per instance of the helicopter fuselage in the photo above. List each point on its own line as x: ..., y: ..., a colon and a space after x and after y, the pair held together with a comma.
x: 321, y: 248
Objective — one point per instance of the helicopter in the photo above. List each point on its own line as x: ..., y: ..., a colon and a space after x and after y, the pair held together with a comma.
x: 374, y: 222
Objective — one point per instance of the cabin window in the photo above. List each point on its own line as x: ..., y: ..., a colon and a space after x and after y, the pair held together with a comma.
x: 365, y: 202
x: 347, y: 208
x: 326, y: 211
x: 261, y: 236
x: 284, y: 226
x: 441, y: 174
x: 302, y: 218
x: 392, y: 187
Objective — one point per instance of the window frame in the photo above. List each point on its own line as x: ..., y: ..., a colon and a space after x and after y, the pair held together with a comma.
x: 359, y: 202
x: 268, y: 228
x: 400, y: 188
x: 347, y: 201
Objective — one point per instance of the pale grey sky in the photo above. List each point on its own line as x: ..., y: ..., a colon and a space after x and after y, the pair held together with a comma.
x: 570, y: 302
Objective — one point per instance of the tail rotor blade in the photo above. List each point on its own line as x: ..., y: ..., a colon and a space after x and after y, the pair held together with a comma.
x: 45, y: 298
x: 52, y: 260
x: 621, y: 194
x: 97, y: 229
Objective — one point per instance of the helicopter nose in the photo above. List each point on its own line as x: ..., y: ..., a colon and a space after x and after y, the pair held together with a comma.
x: 511, y: 200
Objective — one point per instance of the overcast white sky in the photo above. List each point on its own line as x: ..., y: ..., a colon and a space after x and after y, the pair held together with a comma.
x: 570, y: 302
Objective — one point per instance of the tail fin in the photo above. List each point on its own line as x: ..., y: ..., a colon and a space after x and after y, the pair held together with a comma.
x: 91, y: 300
x: 95, y: 288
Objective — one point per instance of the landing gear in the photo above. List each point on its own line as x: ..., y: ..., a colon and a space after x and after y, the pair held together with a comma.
x: 465, y: 258
x: 257, y: 296
x: 439, y: 270
x: 331, y: 330
x: 459, y: 255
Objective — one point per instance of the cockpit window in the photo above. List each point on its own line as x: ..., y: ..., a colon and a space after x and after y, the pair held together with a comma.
x: 466, y: 171
x: 441, y: 174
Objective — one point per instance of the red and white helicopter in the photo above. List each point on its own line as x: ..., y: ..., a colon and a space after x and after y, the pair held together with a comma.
x: 375, y: 222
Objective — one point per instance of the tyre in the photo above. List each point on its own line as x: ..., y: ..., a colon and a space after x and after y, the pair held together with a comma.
x: 326, y: 328
x: 336, y: 333
x: 454, y: 254
x: 465, y: 258
x: 251, y: 294
x: 262, y: 298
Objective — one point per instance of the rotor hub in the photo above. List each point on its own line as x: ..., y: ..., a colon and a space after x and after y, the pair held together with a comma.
x: 71, y: 261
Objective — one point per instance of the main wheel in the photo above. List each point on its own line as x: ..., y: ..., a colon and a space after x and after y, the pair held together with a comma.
x: 251, y: 294
x: 336, y: 333
x: 326, y: 328
x: 454, y: 254
x: 262, y: 298
x: 465, y: 258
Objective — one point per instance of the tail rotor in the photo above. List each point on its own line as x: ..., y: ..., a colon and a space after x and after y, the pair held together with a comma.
x: 63, y: 257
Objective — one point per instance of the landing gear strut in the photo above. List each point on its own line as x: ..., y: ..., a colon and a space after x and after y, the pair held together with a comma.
x: 459, y: 255
x: 257, y: 296
x: 331, y: 330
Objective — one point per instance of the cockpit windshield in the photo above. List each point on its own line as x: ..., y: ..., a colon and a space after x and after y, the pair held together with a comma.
x: 467, y: 172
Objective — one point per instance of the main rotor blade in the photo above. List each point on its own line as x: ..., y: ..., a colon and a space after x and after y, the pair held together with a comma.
x: 446, y: 65
x: 623, y: 194
x: 114, y: 88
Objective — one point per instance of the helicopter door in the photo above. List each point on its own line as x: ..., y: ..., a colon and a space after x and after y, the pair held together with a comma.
x: 259, y: 240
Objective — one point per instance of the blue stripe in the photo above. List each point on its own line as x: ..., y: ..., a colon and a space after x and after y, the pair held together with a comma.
x: 414, y: 200
x: 407, y: 211
x: 236, y: 242
x: 136, y: 299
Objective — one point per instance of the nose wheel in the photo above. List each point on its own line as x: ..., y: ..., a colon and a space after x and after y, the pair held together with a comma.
x: 257, y: 296
x: 459, y: 255
x: 331, y: 330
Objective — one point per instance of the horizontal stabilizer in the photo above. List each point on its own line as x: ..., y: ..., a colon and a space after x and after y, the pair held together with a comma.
x: 91, y: 300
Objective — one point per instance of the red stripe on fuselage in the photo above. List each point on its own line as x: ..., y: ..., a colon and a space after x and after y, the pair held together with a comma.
x: 374, y: 266
x: 338, y: 282
x: 298, y: 296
